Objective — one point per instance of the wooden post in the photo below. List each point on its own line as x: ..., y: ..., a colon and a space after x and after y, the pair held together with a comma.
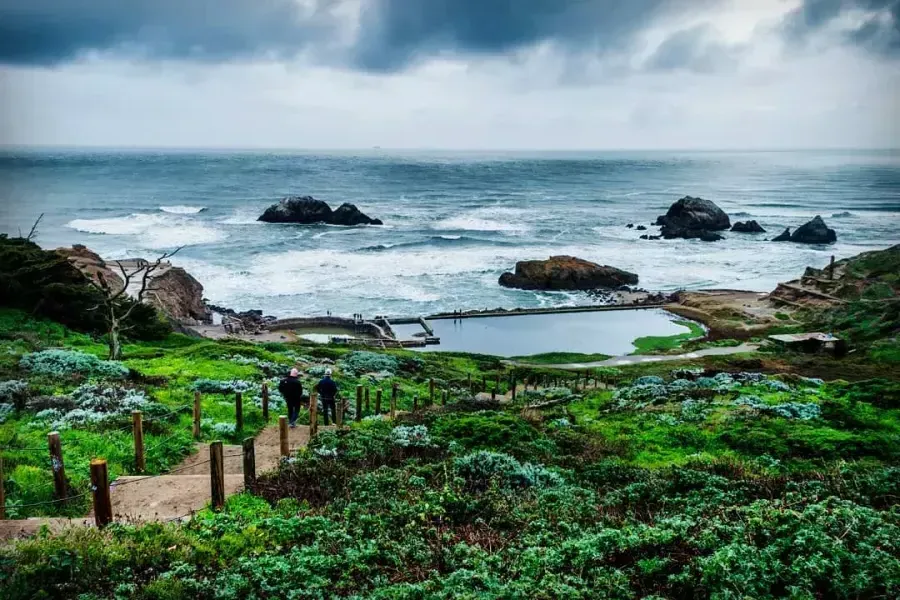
x: 378, y: 401
x: 586, y: 373
x: 431, y: 392
x: 497, y: 386
x: 494, y: 394
x: 359, y: 395
x: 2, y: 492
x: 393, y: 402
x: 339, y: 413
x: 469, y: 381
x: 313, y: 415
x: 56, y: 462
x: 283, y: 435
x: 265, y: 401
x: 249, y: 463
x: 196, y: 415
x: 368, y: 411
x: 239, y: 411
x: 415, y: 403
x: 484, y: 383
x: 831, y: 268
x: 444, y: 398
x: 217, y: 475
x: 513, y: 388
x: 137, y: 430
x: 100, y: 488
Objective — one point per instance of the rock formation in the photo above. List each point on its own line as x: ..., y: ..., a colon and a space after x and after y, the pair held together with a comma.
x: 89, y: 262
x: 747, y: 227
x: 814, y: 232
x: 693, y: 218
x: 306, y: 210
x: 178, y: 295
x: 565, y: 273
x: 784, y: 236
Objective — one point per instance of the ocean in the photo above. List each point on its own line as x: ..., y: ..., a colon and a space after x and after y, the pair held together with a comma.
x: 454, y: 221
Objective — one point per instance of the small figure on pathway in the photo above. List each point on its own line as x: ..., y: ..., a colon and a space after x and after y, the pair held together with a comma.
x: 292, y: 390
x: 328, y: 391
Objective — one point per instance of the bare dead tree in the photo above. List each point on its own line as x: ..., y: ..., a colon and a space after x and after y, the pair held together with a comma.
x: 34, y: 227
x: 116, y: 311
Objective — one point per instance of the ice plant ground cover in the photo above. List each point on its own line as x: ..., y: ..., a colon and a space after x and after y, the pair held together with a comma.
x: 743, y: 477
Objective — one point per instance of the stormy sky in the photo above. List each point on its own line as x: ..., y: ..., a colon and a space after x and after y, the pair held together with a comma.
x: 535, y: 74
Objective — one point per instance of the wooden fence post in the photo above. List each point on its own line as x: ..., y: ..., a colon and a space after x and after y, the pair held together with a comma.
x: 497, y: 386
x: 513, y: 388
x: 431, y: 391
x: 265, y: 401
x: 283, y: 435
x: 484, y: 383
x: 415, y: 403
x: 56, y: 462
x: 494, y: 394
x: 368, y: 411
x: 393, y: 402
x: 339, y: 413
x: 137, y: 430
x: 249, y: 463
x: 217, y: 475
x: 313, y: 415
x: 359, y: 395
x: 831, y: 268
x: 378, y: 401
x: 2, y: 492
x: 239, y: 411
x: 444, y: 398
x: 100, y: 489
x: 469, y: 381
x: 196, y: 415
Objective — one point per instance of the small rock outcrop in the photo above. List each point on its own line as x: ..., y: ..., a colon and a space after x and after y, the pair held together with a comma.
x: 89, y: 262
x: 814, y: 232
x: 178, y: 295
x: 565, y: 273
x: 692, y: 218
x: 747, y: 227
x: 784, y: 236
x: 306, y: 210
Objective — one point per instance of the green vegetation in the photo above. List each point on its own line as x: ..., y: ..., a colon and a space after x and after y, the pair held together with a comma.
x: 664, y: 344
x: 560, y: 358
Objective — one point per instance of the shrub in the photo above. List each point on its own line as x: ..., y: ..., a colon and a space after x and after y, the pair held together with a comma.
x: 217, y: 386
x: 357, y: 363
x: 479, y: 468
x: 65, y: 363
x: 5, y: 411
x: 415, y: 436
x: 788, y: 410
x: 649, y: 380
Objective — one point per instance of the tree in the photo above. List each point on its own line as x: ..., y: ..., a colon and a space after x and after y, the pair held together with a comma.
x: 117, y: 308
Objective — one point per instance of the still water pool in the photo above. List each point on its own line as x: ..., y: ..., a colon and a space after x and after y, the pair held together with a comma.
x: 610, y: 332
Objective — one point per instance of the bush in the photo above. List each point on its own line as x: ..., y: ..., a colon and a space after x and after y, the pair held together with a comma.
x: 357, y: 363
x: 217, y: 386
x: 480, y: 468
x: 65, y: 363
x: 415, y: 436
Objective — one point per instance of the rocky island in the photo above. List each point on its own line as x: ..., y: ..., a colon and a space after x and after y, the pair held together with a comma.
x: 306, y: 210
x: 693, y: 218
x: 565, y: 273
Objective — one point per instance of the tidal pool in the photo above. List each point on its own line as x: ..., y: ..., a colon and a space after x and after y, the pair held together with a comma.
x: 610, y: 332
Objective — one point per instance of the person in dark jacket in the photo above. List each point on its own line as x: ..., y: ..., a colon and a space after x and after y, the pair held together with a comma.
x: 292, y: 390
x: 328, y: 391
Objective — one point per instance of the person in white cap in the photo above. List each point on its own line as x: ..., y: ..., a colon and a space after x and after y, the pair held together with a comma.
x: 292, y: 390
x: 328, y: 391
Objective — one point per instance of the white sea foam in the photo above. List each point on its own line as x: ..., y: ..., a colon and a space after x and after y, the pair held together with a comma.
x: 153, y: 231
x: 490, y: 218
x: 182, y: 210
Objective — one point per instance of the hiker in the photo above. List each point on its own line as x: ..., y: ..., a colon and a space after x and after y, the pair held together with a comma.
x: 292, y: 390
x: 328, y: 391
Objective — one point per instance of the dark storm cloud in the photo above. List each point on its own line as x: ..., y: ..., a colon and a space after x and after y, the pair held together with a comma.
x: 879, y: 31
x: 696, y: 50
x: 47, y: 32
x: 396, y: 33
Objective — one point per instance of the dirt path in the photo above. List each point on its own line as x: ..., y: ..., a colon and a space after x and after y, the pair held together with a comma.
x: 177, y: 495
x: 621, y: 361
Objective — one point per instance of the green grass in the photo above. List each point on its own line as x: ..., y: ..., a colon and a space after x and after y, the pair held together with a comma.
x: 663, y: 344
x: 560, y: 358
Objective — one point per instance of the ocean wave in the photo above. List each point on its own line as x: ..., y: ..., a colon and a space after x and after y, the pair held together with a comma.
x: 439, y: 241
x: 500, y: 219
x: 180, y: 209
x: 154, y: 231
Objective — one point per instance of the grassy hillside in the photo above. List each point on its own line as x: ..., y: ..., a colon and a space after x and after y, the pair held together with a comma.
x: 688, y: 483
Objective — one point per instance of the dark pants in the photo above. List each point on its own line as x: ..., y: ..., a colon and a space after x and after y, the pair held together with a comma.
x: 293, y: 410
x: 328, y: 403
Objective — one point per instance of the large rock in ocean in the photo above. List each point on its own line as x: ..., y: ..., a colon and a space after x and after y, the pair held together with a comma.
x: 814, y: 232
x: 565, y: 273
x: 784, y: 236
x: 693, y: 218
x: 306, y: 210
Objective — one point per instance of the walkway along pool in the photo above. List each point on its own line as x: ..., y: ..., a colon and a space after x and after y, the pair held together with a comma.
x: 609, y: 333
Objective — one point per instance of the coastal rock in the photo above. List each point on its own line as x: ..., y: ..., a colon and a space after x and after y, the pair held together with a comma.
x: 784, y: 236
x: 348, y: 214
x: 565, y: 273
x: 814, y: 232
x: 710, y: 236
x: 747, y: 227
x: 641, y: 228
x: 89, y: 262
x: 842, y: 215
x: 691, y: 217
x: 177, y: 294
x: 306, y: 210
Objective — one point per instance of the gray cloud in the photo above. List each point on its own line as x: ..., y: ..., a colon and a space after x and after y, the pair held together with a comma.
x: 47, y: 32
x: 879, y: 32
x: 694, y: 49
